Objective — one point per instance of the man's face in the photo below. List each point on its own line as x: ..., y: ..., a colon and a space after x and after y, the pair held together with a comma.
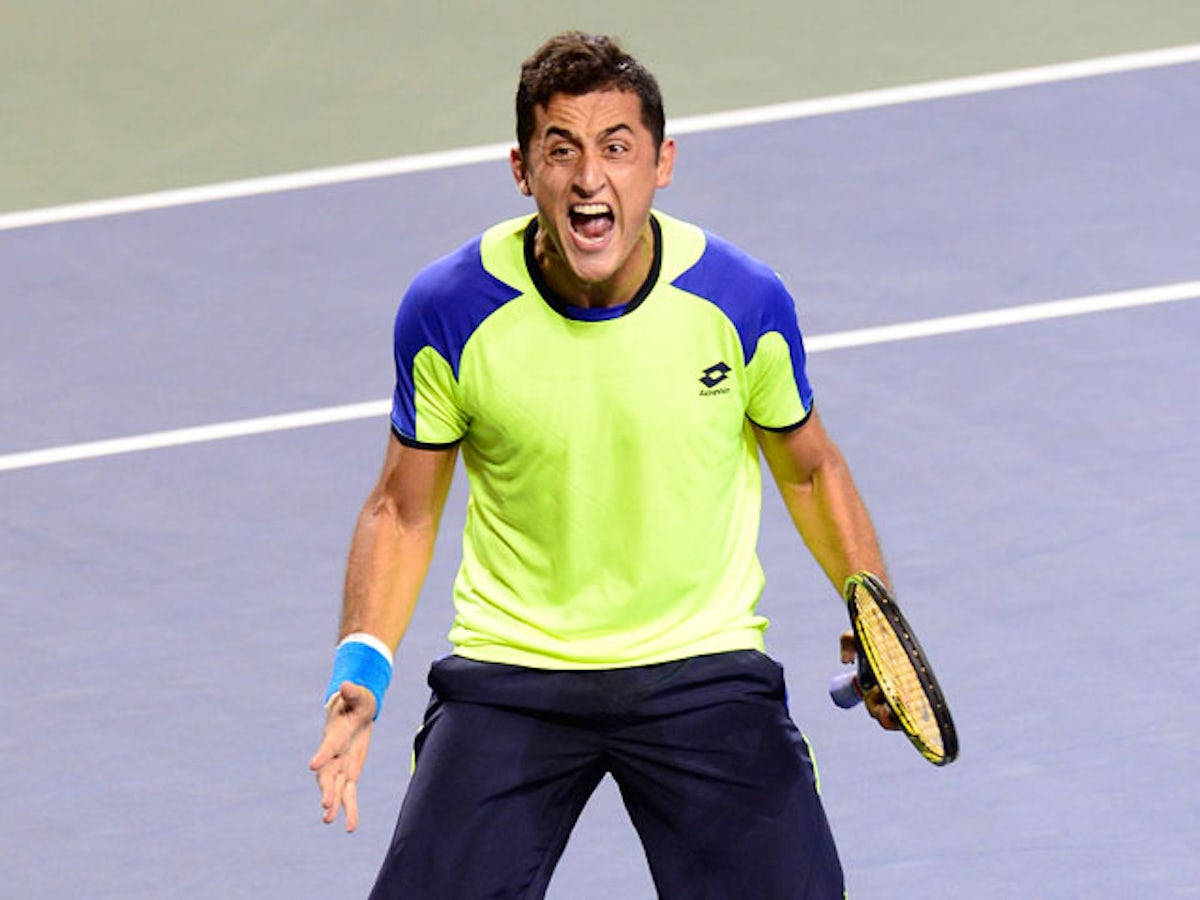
x: 593, y: 167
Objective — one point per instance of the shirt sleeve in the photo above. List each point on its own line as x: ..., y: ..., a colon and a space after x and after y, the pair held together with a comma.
x: 781, y: 397
x: 426, y: 405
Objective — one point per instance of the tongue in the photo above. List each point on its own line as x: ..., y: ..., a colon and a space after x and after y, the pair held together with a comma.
x: 592, y: 227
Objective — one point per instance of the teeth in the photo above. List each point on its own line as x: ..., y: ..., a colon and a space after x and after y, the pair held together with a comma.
x: 590, y: 209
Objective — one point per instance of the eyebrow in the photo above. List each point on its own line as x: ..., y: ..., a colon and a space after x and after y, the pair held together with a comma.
x: 555, y: 131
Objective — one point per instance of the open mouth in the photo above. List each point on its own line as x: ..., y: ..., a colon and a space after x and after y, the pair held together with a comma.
x: 591, y: 222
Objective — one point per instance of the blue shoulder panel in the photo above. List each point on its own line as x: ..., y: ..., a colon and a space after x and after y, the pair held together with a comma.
x: 445, y: 304
x: 751, y: 296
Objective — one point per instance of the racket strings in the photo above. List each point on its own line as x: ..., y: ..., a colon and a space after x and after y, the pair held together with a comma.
x: 897, y: 677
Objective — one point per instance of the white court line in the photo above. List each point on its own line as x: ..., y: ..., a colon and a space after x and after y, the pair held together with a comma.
x: 196, y: 435
x: 1013, y: 315
x: 758, y: 115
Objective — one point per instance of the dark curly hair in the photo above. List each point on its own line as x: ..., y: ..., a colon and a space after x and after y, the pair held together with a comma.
x: 575, y: 63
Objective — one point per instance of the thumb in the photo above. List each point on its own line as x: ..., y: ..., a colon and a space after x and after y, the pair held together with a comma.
x: 325, y: 752
x: 345, y: 712
x: 358, y: 699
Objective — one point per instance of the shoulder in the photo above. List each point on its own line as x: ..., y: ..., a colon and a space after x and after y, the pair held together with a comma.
x: 451, y: 297
x: 723, y: 273
x: 746, y: 290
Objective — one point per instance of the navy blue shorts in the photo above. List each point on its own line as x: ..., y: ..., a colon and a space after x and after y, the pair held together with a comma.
x: 715, y: 776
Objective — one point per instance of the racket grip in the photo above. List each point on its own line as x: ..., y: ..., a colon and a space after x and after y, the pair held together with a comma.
x: 844, y: 690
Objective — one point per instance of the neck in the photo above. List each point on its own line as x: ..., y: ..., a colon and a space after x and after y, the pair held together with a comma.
x: 619, y: 288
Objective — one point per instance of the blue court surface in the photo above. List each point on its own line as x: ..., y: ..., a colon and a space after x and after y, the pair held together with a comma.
x: 169, y: 614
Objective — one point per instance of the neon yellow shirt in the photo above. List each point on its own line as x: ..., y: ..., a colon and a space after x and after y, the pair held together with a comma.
x: 614, y: 479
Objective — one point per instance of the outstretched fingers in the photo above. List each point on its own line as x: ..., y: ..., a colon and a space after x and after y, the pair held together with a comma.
x: 342, y: 752
x: 350, y: 802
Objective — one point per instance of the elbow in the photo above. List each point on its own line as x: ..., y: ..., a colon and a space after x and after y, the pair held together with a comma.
x: 384, y: 509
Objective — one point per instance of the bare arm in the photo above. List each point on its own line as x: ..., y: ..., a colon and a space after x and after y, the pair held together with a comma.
x: 393, y: 541
x: 821, y: 498
x: 826, y: 508
x: 389, y: 557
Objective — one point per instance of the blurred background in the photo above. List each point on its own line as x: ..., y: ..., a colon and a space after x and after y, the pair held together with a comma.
x: 129, y: 96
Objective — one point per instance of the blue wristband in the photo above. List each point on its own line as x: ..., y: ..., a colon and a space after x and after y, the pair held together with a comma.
x: 360, y: 663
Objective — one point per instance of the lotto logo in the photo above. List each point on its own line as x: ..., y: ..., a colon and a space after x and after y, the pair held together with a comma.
x: 714, y: 375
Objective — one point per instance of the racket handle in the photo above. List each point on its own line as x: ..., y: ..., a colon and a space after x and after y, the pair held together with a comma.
x: 844, y: 690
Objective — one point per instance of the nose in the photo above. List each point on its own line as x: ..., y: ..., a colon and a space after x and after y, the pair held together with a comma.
x: 589, y: 176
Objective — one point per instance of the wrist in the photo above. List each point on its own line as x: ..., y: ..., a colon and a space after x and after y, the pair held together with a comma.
x: 364, y: 660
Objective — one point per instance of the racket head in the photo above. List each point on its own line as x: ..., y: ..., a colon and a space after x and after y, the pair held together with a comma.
x: 889, y: 648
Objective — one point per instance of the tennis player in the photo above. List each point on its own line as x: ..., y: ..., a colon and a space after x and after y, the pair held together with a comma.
x: 608, y: 374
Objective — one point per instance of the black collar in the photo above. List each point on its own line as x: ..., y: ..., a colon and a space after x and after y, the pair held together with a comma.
x: 563, y: 308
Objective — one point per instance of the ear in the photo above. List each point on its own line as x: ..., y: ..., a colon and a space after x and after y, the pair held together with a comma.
x: 666, y: 162
x: 520, y: 173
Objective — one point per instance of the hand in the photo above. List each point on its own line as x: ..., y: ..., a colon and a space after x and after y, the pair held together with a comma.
x: 343, y: 750
x: 872, y: 699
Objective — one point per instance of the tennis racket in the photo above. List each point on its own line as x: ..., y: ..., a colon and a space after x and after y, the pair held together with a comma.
x: 889, y: 656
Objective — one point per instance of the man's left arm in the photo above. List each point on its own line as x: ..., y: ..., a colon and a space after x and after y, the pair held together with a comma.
x: 826, y: 508
x: 821, y: 498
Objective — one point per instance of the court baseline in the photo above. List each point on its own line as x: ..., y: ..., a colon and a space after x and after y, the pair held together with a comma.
x: 758, y: 115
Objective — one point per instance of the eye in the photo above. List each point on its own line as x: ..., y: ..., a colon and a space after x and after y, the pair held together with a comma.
x: 616, y: 149
x: 561, y: 152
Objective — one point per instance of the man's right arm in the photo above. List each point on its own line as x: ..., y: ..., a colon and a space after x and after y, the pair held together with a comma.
x: 393, y: 541
x: 389, y: 557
